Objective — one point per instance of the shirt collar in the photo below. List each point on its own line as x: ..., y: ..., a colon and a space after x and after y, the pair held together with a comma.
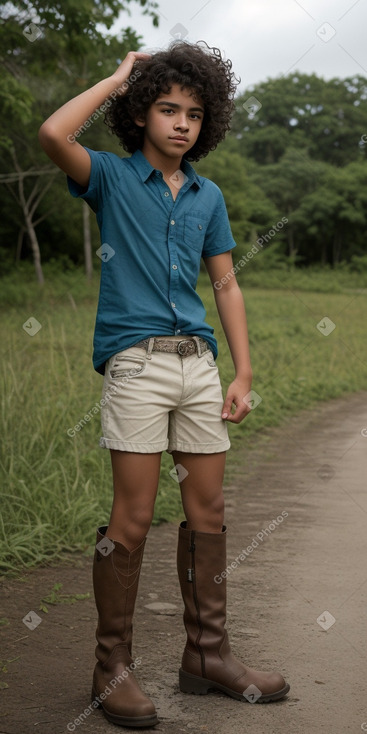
x: 144, y: 169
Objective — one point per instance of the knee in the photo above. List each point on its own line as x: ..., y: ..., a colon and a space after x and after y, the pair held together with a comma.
x: 207, y: 516
x: 216, y: 509
x: 133, y: 525
x: 139, y: 522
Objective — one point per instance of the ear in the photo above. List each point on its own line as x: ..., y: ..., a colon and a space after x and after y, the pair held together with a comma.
x: 140, y: 121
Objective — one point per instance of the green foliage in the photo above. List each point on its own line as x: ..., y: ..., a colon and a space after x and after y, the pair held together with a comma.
x: 4, y: 669
x: 358, y: 264
x: 73, y: 51
x: 327, y: 118
x: 16, y: 100
x: 300, y: 156
x: 248, y: 208
x: 56, y: 597
x: 72, y: 24
x: 331, y: 219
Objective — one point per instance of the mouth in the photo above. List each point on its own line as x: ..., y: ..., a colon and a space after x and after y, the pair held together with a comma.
x: 179, y: 138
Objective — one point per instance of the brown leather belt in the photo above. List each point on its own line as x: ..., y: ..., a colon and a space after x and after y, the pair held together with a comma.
x: 184, y: 347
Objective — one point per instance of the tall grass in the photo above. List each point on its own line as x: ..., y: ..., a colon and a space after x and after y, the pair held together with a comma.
x: 55, y: 489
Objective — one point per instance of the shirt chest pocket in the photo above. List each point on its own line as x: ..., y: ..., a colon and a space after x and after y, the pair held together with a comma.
x: 195, y: 227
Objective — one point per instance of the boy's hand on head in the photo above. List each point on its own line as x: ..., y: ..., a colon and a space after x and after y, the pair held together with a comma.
x: 237, y: 391
x: 124, y: 71
x: 59, y: 134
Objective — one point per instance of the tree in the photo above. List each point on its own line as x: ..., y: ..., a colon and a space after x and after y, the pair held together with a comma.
x: 249, y: 209
x: 327, y: 118
x: 287, y: 183
x: 29, y: 204
x: 46, y: 51
x: 332, y: 219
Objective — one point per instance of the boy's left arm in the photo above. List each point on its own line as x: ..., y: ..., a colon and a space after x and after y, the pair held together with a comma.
x: 231, y: 310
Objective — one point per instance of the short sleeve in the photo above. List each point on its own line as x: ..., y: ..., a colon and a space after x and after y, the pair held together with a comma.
x: 105, y: 172
x: 218, y: 236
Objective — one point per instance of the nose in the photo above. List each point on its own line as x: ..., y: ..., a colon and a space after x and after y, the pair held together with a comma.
x: 181, y: 123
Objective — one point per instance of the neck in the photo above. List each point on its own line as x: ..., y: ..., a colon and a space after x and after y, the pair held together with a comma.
x: 167, y: 164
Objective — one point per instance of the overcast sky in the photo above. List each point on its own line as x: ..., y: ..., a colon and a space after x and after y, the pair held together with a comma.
x: 266, y: 38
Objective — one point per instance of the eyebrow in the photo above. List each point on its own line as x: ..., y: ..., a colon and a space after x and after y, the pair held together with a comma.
x: 176, y: 106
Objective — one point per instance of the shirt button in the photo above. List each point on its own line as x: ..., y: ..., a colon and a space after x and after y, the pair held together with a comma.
x: 166, y: 193
x: 173, y: 221
x: 178, y: 331
x: 200, y: 226
x: 174, y: 267
x: 173, y: 304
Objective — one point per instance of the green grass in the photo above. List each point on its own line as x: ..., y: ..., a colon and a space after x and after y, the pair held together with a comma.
x: 56, y: 596
x: 56, y: 489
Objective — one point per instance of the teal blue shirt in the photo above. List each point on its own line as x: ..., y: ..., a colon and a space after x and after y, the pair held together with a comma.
x: 151, y: 246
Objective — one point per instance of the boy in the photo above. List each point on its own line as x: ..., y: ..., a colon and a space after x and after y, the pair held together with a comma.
x: 157, y: 218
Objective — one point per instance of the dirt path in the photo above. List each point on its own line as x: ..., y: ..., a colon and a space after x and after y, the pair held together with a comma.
x: 311, y: 565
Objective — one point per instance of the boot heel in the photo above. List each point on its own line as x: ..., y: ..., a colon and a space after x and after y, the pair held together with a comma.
x: 193, y: 684
x: 94, y: 698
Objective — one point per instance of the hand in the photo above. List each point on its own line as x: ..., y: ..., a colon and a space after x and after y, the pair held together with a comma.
x: 123, y: 72
x: 236, y: 393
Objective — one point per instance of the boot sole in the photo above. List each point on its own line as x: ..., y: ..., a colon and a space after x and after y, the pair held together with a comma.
x: 128, y: 721
x: 200, y: 686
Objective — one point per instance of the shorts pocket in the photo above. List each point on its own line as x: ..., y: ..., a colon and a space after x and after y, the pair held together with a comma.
x: 126, y: 365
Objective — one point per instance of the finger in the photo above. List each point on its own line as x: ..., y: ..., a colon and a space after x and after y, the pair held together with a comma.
x: 227, y: 406
x: 130, y: 59
x: 241, y: 410
x: 138, y: 55
x: 237, y: 416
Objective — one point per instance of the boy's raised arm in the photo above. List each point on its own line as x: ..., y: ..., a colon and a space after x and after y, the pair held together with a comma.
x: 56, y: 135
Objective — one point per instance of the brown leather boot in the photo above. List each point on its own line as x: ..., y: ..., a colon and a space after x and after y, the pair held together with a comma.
x: 208, y: 663
x: 115, y: 689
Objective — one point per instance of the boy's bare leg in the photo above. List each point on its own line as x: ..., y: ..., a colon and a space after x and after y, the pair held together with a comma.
x: 135, y: 484
x: 202, y: 490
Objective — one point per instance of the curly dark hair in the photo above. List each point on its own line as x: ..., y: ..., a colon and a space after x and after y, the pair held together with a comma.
x: 202, y: 70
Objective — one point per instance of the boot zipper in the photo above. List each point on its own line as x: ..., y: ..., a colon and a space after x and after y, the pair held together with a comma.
x: 192, y: 577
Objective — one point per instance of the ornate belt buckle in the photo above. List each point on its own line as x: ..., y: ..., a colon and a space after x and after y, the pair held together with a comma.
x: 186, y: 347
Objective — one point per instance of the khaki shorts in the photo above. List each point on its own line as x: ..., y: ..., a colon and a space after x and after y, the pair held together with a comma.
x: 162, y: 402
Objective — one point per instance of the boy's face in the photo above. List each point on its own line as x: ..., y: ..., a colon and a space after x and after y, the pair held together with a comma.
x: 173, y: 122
